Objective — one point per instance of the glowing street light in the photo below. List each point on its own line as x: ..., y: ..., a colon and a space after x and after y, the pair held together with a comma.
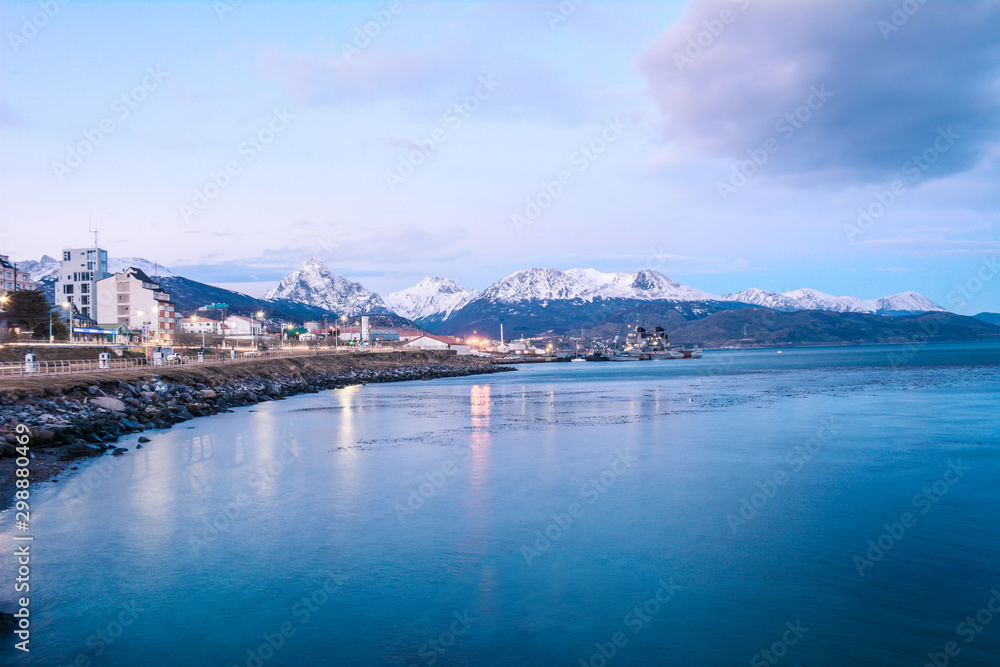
x: 52, y: 339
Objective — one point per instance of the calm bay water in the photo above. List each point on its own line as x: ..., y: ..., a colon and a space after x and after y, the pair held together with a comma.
x: 698, y: 512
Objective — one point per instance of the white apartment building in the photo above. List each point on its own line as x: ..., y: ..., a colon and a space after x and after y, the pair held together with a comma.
x: 77, y: 279
x: 198, y: 325
x: 240, y: 327
x: 13, y: 278
x: 136, y: 300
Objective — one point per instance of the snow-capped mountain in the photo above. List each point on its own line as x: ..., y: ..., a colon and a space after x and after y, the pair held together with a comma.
x: 432, y: 299
x: 316, y: 285
x: 48, y: 267
x: 809, y: 299
x: 151, y: 269
x: 40, y: 270
x: 906, y: 302
x: 535, y: 285
x: 589, y: 284
x: 759, y: 297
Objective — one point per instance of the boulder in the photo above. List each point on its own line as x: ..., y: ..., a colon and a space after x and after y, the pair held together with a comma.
x: 207, y: 393
x: 79, y: 450
x: 42, y: 437
x: 108, y: 403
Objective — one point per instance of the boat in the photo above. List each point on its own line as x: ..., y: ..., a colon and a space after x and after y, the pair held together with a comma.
x: 631, y: 349
x: 625, y: 354
x: 666, y: 354
x: 657, y: 343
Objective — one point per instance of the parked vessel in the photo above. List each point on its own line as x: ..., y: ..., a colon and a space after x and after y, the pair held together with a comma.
x: 631, y: 349
x: 642, y: 345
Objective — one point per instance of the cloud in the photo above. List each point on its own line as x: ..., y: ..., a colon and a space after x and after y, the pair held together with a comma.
x: 329, y: 79
x: 928, y: 245
x: 723, y: 87
x: 478, y: 43
x: 367, y: 254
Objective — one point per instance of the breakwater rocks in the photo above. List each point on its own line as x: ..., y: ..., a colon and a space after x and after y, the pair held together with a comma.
x: 86, y: 420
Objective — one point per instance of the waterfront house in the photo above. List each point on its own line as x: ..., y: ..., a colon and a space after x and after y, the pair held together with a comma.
x: 434, y: 342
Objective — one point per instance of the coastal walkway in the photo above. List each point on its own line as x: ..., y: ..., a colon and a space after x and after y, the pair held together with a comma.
x: 68, y: 367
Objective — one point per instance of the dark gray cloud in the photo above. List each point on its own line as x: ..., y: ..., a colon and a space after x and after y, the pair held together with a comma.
x: 896, y: 79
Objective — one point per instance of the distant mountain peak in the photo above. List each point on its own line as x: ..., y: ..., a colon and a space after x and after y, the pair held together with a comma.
x: 434, y: 298
x: 316, y: 285
x: 589, y: 284
x: 805, y: 298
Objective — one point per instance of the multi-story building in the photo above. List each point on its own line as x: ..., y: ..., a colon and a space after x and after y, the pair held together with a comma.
x: 242, y: 328
x: 136, y: 300
x: 77, y: 281
x: 13, y: 278
x: 197, y: 325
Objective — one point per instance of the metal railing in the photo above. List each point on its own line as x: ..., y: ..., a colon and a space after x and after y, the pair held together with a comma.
x: 65, y: 367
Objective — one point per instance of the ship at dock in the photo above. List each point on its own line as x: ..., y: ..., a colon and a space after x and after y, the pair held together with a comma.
x: 642, y: 345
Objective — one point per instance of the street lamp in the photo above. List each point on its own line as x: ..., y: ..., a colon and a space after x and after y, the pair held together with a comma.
x: 52, y: 339
x: 260, y: 328
x: 194, y: 318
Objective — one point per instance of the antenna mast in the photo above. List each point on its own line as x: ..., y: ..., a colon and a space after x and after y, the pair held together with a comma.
x: 90, y: 226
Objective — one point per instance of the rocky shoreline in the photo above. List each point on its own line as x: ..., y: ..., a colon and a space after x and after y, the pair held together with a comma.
x: 86, y: 418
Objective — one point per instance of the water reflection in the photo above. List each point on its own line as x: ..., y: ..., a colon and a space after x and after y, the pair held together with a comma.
x: 480, y: 437
x: 348, y: 457
x: 477, y: 503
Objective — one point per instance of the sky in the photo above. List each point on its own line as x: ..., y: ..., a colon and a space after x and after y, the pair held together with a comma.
x: 849, y: 146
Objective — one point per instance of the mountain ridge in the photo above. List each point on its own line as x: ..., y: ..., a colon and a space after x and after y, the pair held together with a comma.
x: 316, y: 285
